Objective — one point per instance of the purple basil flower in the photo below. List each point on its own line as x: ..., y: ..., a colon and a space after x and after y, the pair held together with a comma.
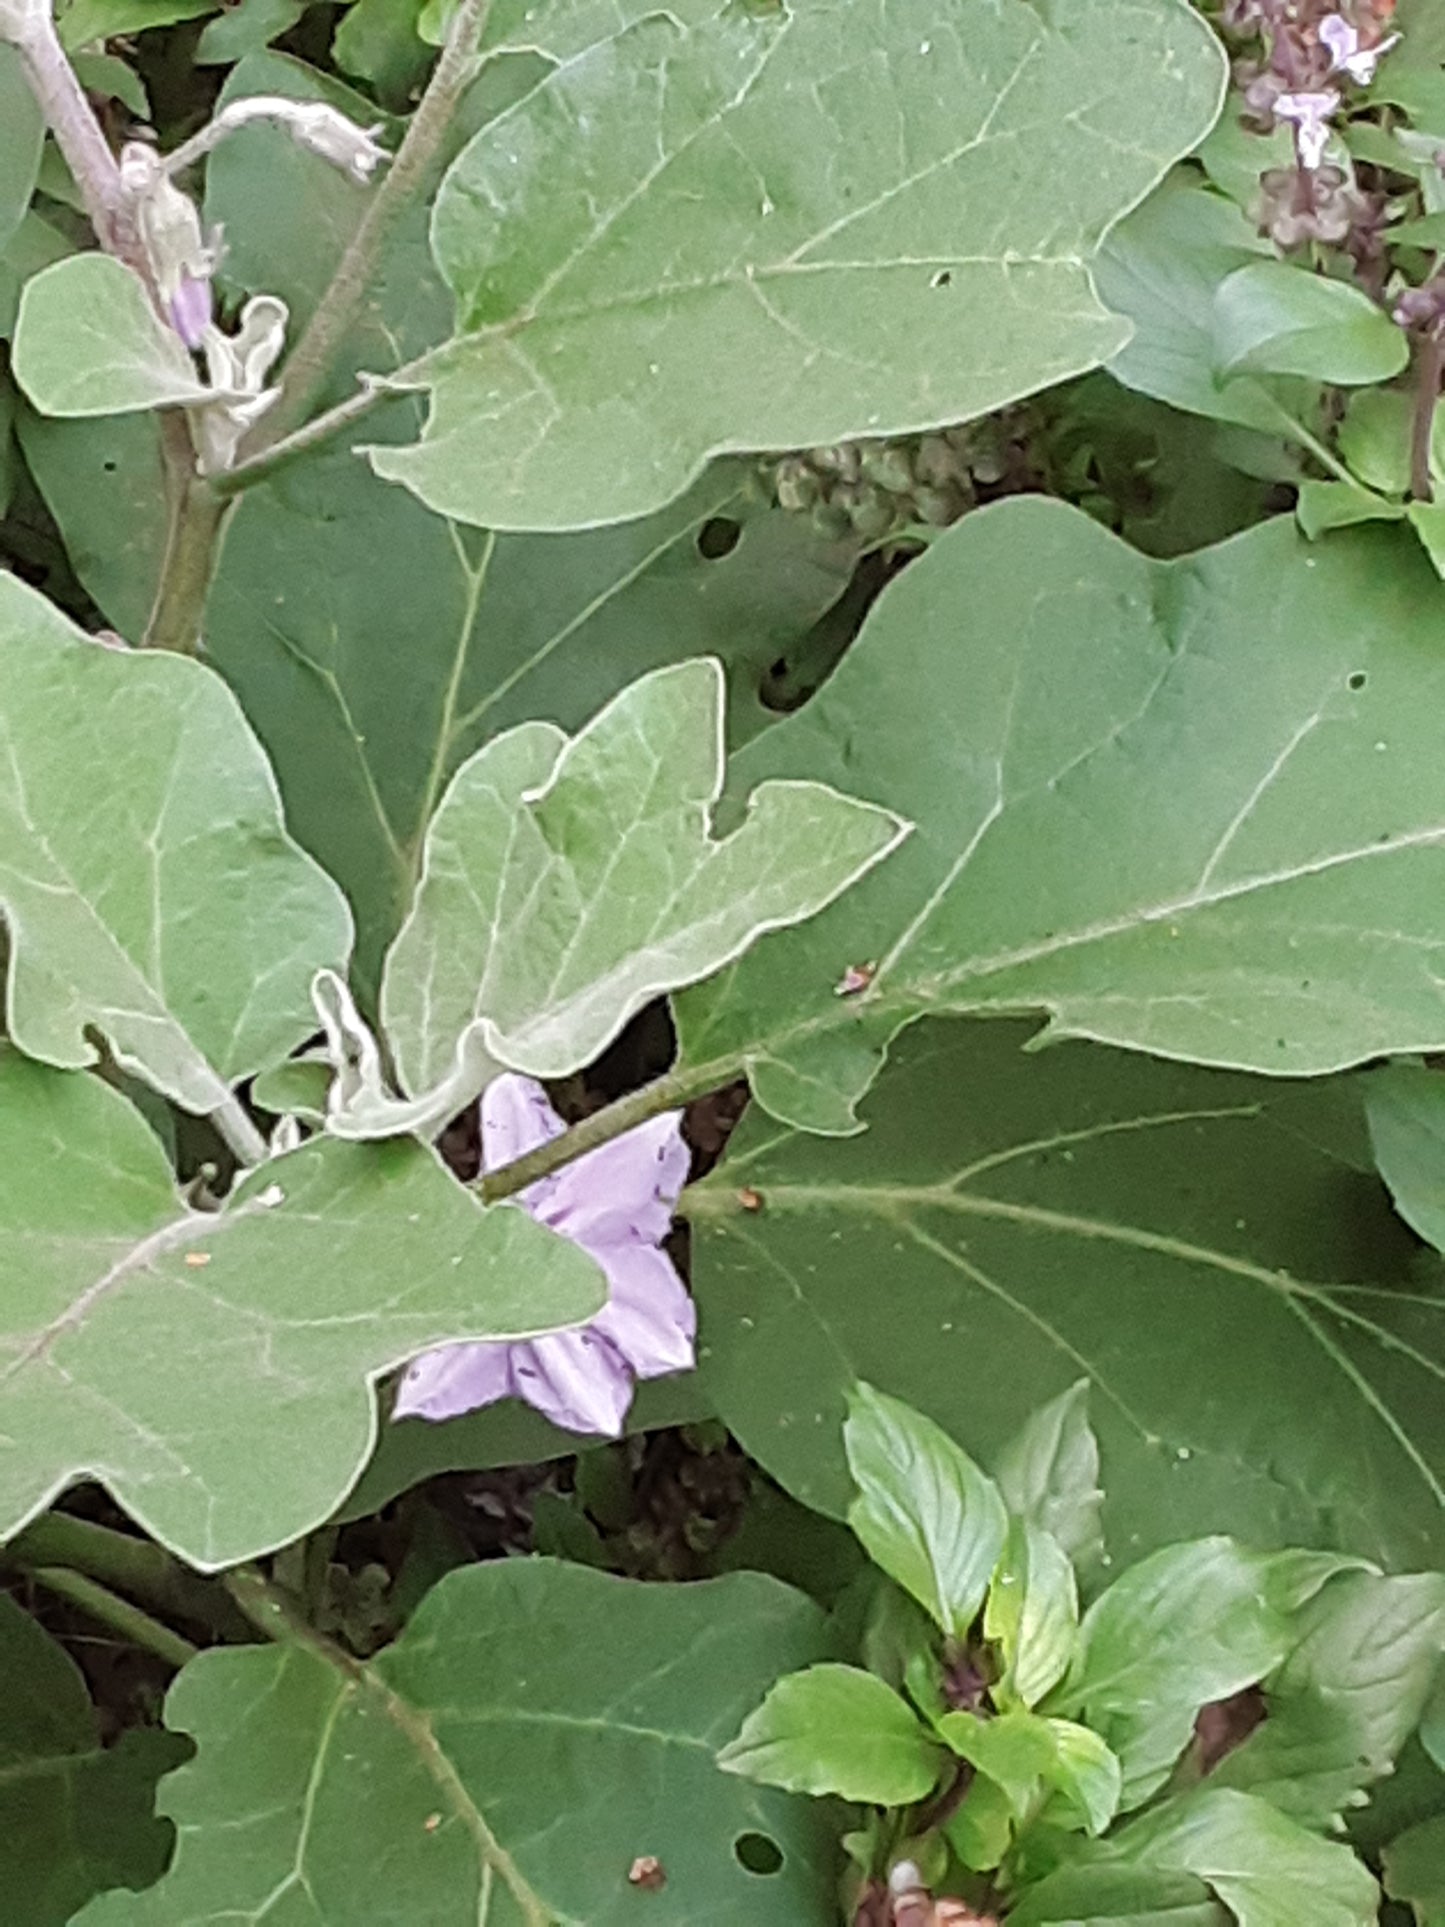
x: 616, y: 1202
x: 191, y: 309
x: 1346, y: 54
x: 1311, y: 116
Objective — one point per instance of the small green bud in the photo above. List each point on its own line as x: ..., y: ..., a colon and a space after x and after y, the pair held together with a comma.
x: 936, y: 463
x: 887, y: 466
x: 830, y: 521
x: 939, y: 507
x: 798, y: 486
x: 869, y: 509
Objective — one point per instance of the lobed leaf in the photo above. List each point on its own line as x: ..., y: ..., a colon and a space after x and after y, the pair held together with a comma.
x: 1213, y: 1251
x: 427, y: 1785
x: 148, y: 887
x: 779, y: 196
x: 214, y: 1369
x: 1038, y: 698
x: 567, y: 882
x: 75, y: 1817
x: 376, y: 646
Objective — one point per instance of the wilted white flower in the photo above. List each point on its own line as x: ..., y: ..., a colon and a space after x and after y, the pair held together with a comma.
x: 1311, y: 114
x: 181, y: 258
x: 325, y: 130
x: 1347, y: 56
x: 339, y: 140
x: 236, y: 367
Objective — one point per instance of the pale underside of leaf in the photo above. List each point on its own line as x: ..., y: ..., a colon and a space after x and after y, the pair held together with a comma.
x: 780, y: 197
x: 145, y: 1343
x: 568, y: 883
x: 146, y: 881
x: 88, y: 342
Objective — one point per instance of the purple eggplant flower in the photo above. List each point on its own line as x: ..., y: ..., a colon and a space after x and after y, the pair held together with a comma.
x: 616, y: 1202
x: 191, y: 309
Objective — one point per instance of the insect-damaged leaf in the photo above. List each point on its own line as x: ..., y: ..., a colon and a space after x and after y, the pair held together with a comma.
x: 1193, y: 807
x: 712, y: 230
x: 426, y: 1786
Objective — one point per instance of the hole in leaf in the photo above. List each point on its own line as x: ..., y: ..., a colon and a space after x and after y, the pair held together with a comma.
x: 718, y: 537
x: 942, y: 279
x: 109, y: 466
x: 758, y: 1853
x: 1357, y: 679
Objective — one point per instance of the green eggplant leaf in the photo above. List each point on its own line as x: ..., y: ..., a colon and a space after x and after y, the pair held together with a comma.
x: 780, y: 196
x: 426, y: 1785
x: 214, y: 1368
x: 148, y: 887
x: 1213, y: 1251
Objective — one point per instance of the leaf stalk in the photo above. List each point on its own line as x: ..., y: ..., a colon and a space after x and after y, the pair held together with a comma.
x: 668, y: 1093
x: 128, y: 1564
x: 1429, y: 368
x: 123, y: 1618
x: 310, y: 364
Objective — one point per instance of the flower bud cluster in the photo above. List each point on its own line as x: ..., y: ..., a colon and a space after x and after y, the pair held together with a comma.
x: 1306, y: 53
x: 878, y: 488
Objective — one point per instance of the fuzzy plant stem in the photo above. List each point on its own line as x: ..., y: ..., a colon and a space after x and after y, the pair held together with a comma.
x: 1429, y: 368
x: 175, y: 617
x: 241, y: 1136
x: 77, y: 132
x: 668, y: 1093
x: 123, y: 1618
x: 302, y: 441
x: 128, y: 1564
x: 310, y: 363
x: 190, y: 554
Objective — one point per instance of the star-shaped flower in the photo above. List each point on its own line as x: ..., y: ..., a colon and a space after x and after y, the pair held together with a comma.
x: 616, y: 1202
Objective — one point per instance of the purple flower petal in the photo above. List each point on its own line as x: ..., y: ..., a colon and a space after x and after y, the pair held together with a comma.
x: 625, y: 1189
x: 616, y: 1203
x: 191, y: 310
x: 649, y: 1317
x: 454, y: 1379
x: 577, y: 1379
x: 516, y: 1118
